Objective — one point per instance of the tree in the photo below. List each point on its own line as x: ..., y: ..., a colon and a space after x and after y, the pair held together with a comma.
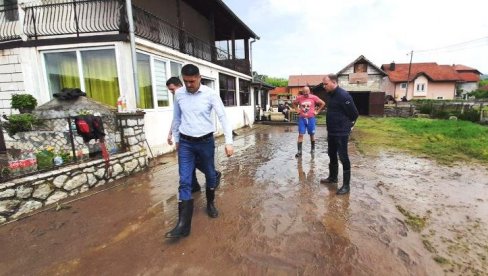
x: 278, y: 82
x: 274, y: 81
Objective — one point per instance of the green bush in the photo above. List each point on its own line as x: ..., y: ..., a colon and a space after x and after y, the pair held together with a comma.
x: 440, y: 114
x: 479, y: 94
x: 20, y: 122
x: 23, y: 102
x: 472, y: 115
x: 425, y: 109
x: 45, y: 159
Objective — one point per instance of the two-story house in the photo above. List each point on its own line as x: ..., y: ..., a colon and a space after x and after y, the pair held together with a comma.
x: 113, y: 48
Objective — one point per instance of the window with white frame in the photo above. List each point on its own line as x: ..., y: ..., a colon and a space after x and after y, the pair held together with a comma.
x: 420, y: 87
x: 403, y: 85
x: 94, y: 71
x: 153, y: 72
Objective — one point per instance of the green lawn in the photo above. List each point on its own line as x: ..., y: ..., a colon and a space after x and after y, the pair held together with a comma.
x: 444, y: 140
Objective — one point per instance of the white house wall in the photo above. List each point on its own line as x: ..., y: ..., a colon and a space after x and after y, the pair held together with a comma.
x: 158, y: 122
x: 11, y: 77
x: 22, y: 70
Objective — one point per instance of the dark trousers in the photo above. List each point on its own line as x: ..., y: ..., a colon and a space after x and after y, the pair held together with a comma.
x: 188, y: 154
x: 337, y: 145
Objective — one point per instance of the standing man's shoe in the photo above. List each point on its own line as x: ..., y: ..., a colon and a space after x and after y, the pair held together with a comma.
x: 345, y: 187
x: 333, y: 172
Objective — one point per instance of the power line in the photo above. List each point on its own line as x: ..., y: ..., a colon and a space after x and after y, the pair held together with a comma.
x: 459, y: 46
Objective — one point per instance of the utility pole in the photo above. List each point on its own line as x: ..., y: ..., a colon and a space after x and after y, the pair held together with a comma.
x: 408, y: 76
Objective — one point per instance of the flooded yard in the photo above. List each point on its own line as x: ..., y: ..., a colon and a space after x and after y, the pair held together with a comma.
x: 404, y: 216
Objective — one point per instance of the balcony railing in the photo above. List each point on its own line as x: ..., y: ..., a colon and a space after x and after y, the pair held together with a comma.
x: 94, y: 17
x: 77, y: 17
x: 9, y: 23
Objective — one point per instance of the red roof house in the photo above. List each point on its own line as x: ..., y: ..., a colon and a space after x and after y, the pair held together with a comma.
x: 425, y: 80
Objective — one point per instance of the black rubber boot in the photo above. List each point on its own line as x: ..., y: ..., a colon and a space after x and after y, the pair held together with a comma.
x: 345, y: 186
x: 211, y: 209
x: 312, y: 150
x: 183, y: 227
x: 333, y: 172
x: 299, y: 153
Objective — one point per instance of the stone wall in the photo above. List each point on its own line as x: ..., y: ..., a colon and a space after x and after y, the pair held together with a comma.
x: 24, y: 195
x: 58, y: 135
x: 11, y: 79
x: 400, y: 111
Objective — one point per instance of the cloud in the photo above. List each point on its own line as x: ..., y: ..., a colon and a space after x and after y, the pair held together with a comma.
x: 318, y: 37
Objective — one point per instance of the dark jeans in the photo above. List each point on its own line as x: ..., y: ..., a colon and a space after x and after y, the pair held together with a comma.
x: 188, y: 153
x: 338, y: 145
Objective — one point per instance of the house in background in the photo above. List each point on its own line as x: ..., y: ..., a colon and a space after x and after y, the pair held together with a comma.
x: 364, y: 81
x: 279, y: 94
x: 49, y: 45
x: 469, y: 82
x: 297, y: 82
x: 361, y: 78
x: 424, y: 81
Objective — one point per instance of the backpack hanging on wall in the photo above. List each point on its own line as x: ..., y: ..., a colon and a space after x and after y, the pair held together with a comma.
x: 89, y: 127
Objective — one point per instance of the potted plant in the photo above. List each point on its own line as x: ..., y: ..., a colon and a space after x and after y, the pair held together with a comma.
x: 25, y: 103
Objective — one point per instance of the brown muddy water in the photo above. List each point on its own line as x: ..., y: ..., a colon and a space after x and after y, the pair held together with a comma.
x: 404, y: 216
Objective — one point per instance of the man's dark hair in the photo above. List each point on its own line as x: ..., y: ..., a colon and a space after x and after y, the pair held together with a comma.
x: 175, y: 81
x: 333, y: 77
x: 190, y: 70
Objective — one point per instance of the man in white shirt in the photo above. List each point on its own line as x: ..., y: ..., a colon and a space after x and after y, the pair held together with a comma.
x: 193, y: 132
x: 173, y: 84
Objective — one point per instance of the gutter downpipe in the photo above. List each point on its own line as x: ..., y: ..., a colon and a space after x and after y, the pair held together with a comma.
x: 132, y: 39
x: 250, y: 65
x: 253, y: 40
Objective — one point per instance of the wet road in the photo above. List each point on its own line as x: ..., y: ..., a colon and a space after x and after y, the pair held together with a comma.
x: 275, y: 219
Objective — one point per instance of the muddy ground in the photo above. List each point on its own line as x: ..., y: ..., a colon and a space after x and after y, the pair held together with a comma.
x: 404, y: 216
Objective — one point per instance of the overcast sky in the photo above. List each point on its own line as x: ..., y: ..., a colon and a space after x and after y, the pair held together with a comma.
x: 323, y: 36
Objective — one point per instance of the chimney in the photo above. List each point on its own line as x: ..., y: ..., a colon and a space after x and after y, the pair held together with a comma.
x: 392, y: 66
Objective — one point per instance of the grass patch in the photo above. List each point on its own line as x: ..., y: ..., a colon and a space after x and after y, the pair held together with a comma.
x: 441, y: 260
x: 446, y: 141
x: 415, y: 222
x: 429, y: 246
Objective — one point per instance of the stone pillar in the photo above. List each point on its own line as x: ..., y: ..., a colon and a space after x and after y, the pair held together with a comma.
x: 132, y: 131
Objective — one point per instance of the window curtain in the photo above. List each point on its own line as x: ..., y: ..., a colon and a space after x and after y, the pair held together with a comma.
x: 146, y: 100
x: 100, y: 73
x: 62, y: 71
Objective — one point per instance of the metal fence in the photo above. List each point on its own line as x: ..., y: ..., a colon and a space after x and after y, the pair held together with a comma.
x: 55, y: 143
